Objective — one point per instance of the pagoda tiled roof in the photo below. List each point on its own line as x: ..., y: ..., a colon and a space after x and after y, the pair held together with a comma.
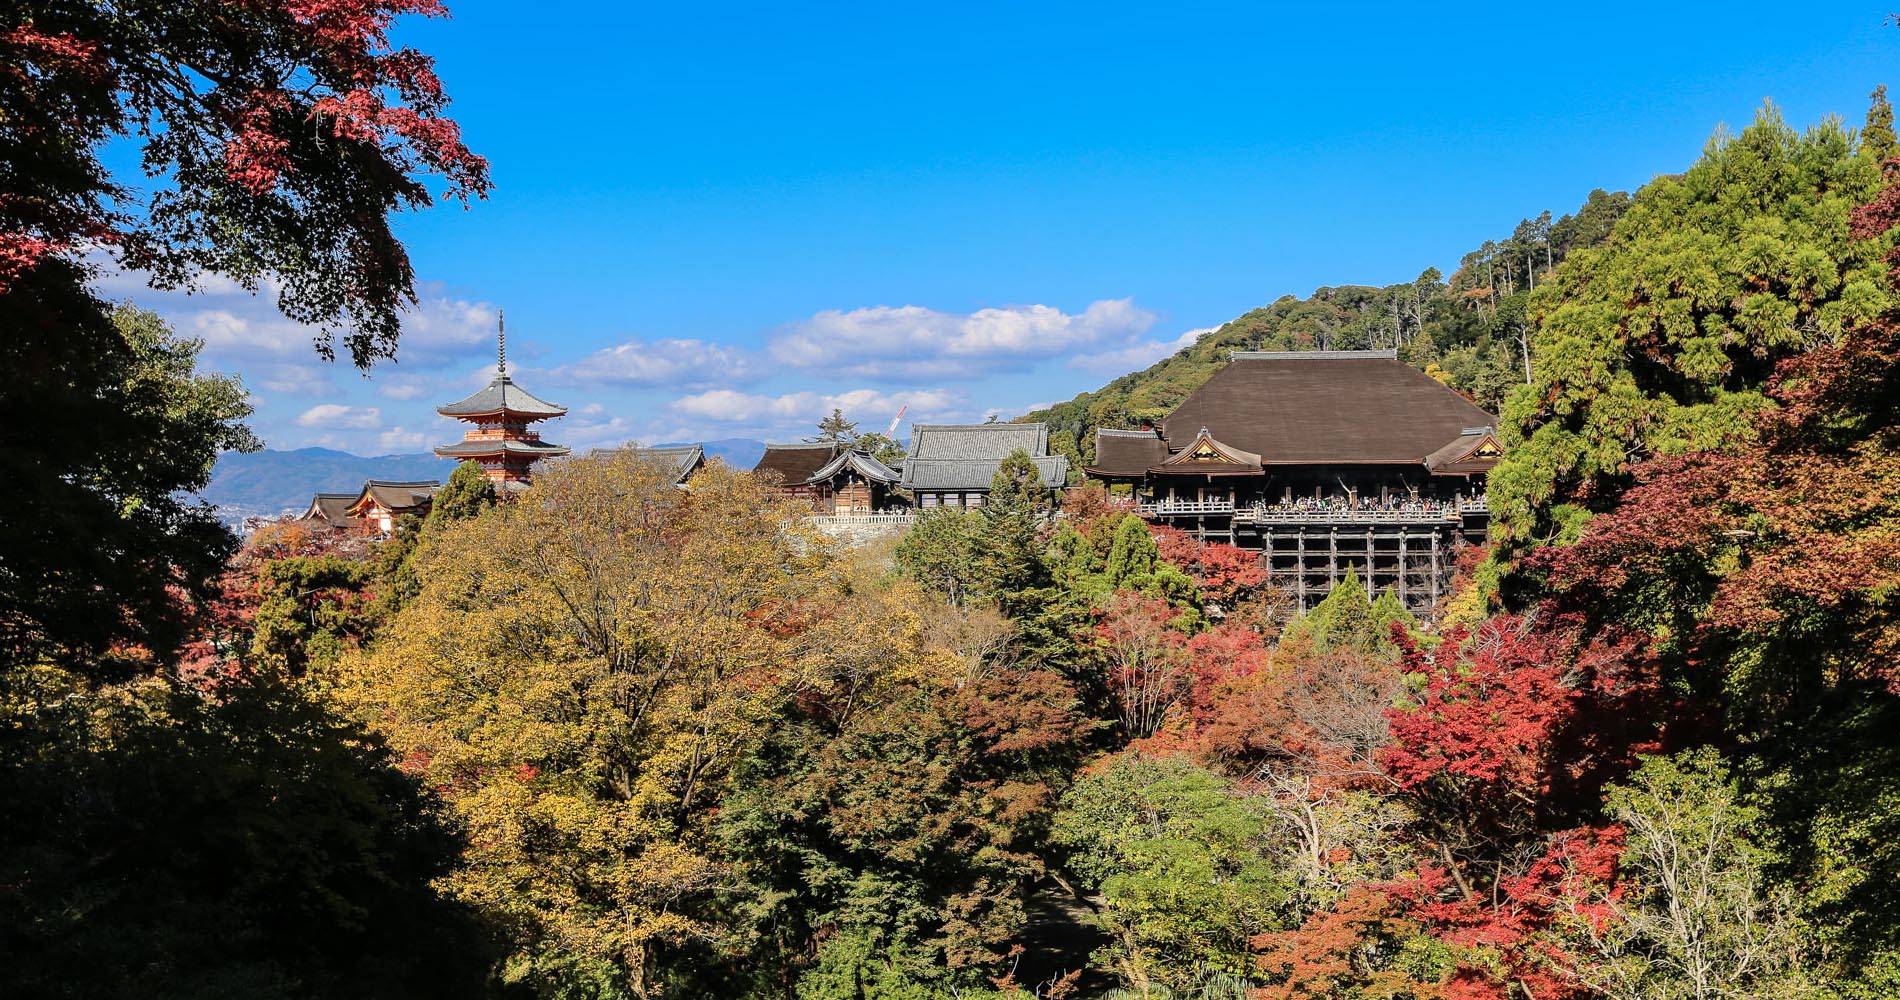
x: 501, y: 446
x: 502, y: 395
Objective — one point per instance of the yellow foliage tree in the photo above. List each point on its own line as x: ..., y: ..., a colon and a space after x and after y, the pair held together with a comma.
x: 577, y: 673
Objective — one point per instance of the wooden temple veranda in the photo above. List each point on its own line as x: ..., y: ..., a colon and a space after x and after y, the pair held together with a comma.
x: 1327, y: 461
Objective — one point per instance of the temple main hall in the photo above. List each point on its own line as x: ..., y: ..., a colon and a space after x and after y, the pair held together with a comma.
x: 1326, y: 461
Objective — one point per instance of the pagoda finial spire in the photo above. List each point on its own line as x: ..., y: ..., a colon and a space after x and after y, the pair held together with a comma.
x: 501, y: 343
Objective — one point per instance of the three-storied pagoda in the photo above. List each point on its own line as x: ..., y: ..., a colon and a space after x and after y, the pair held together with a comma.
x: 501, y: 415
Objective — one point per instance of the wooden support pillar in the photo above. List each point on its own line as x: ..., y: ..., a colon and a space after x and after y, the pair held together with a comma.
x: 1332, y: 559
x: 1266, y: 546
x: 1434, y: 570
x: 1371, y: 588
x: 1404, y: 594
x: 1302, y: 564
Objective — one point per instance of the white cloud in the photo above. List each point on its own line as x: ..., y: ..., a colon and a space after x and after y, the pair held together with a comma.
x: 228, y: 334
x: 240, y: 326
x: 917, y: 342
x: 289, y: 379
x: 398, y: 440
x: 869, y: 406
x: 584, y: 434
x: 440, y: 330
x: 404, y: 389
x: 1136, y: 355
x: 673, y: 363
x: 336, y: 415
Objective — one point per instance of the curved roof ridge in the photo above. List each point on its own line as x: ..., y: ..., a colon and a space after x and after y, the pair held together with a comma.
x: 863, y: 461
x: 1383, y: 354
x: 501, y: 394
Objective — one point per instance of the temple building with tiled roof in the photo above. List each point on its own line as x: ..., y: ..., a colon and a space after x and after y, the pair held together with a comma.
x: 951, y: 465
x: 680, y: 460
x: 381, y: 502
x: 331, y: 510
x: 500, y: 417
x: 1328, y: 460
x: 834, y: 478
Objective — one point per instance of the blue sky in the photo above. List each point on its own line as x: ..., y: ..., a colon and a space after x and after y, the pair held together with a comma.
x: 720, y: 220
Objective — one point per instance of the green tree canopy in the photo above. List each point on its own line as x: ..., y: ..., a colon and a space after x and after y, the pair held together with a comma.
x: 835, y: 429
x: 1659, y: 341
x: 1345, y: 619
x: 105, y: 426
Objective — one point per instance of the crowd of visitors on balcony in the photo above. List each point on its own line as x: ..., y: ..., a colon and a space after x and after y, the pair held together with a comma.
x: 1398, y: 503
x: 1335, y: 503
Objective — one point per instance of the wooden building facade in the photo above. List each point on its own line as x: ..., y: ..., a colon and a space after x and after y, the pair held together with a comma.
x: 833, y: 479
x: 1324, y: 460
x: 382, y: 502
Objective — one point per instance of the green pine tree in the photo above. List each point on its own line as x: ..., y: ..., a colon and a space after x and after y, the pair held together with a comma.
x: 1132, y: 554
x: 1011, y: 557
x: 1347, y: 620
x: 835, y: 429
x: 1877, y: 138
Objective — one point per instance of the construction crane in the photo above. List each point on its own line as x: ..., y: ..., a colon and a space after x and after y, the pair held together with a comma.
x: 891, y: 431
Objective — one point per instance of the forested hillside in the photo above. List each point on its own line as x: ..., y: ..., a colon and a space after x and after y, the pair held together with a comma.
x: 607, y: 738
x: 1468, y: 330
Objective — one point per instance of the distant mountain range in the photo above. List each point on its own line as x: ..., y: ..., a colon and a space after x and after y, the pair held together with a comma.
x: 270, y: 482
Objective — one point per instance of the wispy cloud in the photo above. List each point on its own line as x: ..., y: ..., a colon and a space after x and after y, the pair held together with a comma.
x: 802, y: 408
x: 1137, y: 355
x: 914, y: 342
x: 673, y: 363
x: 401, y: 440
x: 338, y: 416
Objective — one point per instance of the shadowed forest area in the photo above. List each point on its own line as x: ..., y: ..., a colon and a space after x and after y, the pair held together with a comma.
x: 612, y: 738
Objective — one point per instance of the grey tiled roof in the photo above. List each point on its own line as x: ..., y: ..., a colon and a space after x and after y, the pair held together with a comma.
x: 502, y: 394
x: 977, y: 441
x: 964, y: 457
x: 975, y: 473
x: 860, y: 461
x: 684, y: 459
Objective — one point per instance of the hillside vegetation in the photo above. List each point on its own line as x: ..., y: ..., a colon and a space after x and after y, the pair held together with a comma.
x: 1469, y: 330
x: 610, y: 739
